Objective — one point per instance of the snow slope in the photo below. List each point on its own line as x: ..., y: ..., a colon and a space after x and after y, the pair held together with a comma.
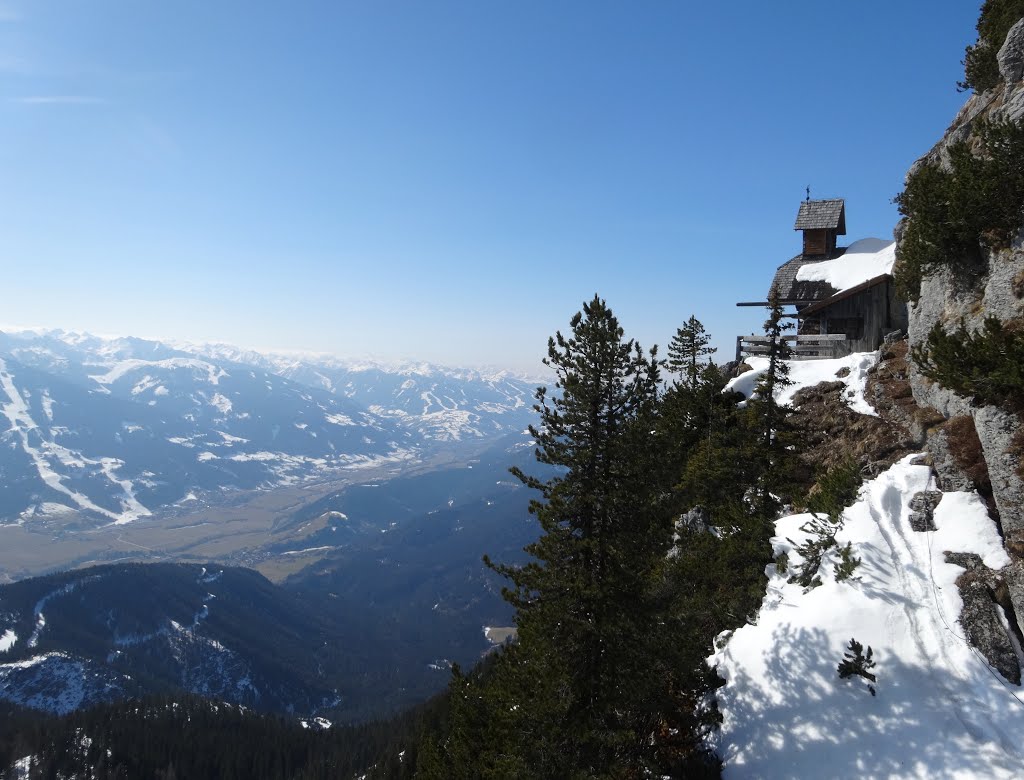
x: 807, y: 373
x: 862, y: 260
x: 941, y: 711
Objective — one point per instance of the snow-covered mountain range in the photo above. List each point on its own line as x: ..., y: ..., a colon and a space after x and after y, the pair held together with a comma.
x: 119, y: 428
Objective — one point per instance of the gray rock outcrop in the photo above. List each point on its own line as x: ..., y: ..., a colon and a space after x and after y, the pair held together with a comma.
x: 980, y: 617
x: 696, y: 520
x: 997, y: 430
x: 948, y: 474
x: 1011, y: 55
x: 999, y: 292
x: 922, y: 510
x: 993, y: 601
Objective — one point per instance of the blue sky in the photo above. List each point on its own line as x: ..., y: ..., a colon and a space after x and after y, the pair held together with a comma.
x: 444, y: 180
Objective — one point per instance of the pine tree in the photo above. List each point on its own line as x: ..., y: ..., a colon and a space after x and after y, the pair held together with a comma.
x: 776, y: 378
x: 770, y: 418
x: 687, y: 350
x: 858, y: 663
x: 584, y: 678
x: 835, y: 490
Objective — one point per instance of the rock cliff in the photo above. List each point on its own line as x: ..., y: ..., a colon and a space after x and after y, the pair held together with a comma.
x: 960, y: 428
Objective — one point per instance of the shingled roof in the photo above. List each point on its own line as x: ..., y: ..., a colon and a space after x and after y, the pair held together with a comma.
x: 792, y: 290
x: 822, y: 214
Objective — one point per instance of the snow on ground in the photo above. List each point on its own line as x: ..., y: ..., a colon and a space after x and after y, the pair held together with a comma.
x: 319, y: 724
x: 807, y: 373
x: 339, y: 419
x: 307, y: 550
x: 45, y: 509
x: 941, y: 711
x: 7, y: 640
x: 208, y: 578
x: 863, y: 260
x: 47, y: 403
x: 221, y: 402
x: 23, y: 767
x: 450, y: 424
x: 54, y: 682
x: 131, y: 507
x: 119, y: 369
x: 33, y: 640
x: 146, y: 383
x: 227, y: 439
x: 17, y: 413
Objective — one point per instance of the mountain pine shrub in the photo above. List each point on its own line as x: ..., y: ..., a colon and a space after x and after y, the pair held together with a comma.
x: 858, y: 663
x: 836, y: 490
x: 952, y: 215
x: 986, y: 367
x: 847, y: 564
x: 981, y: 69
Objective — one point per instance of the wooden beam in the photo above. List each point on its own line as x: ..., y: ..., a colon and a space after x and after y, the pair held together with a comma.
x: 805, y: 339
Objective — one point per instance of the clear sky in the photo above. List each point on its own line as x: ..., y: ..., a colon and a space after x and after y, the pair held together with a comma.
x: 444, y: 180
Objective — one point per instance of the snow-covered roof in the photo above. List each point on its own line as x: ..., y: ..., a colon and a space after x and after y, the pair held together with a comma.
x: 863, y: 260
x: 793, y: 291
x: 805, y: 280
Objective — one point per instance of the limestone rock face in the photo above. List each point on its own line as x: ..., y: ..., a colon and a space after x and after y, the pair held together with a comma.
x: 947, y: 302
x: 999, y: 292
x: 989, y: 597
x: 922, y: 510
x: 980, y: 615
x: 697, y: 519
x: 948, y: 474
x: 1011, y: 55
x: 997, y: 429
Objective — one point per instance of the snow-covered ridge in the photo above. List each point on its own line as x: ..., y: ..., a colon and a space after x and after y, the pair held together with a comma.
x: 940, y: 710
x: 282, y: 360
x: 123, y: 367
x: 55, y: 682
x: 863, y: 260
x: 50, y: 458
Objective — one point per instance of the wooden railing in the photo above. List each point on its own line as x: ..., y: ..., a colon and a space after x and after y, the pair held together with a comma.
x: 802, y: 347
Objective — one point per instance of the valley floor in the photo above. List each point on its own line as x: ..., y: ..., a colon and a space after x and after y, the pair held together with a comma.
x: 231, y: 529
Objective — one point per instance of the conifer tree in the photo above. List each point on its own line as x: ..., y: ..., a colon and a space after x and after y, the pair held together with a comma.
x: 584, y: 677
x: 856, y: 663
x: 776, y: 378
x: 687, y: 350
x: 771, y: 419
